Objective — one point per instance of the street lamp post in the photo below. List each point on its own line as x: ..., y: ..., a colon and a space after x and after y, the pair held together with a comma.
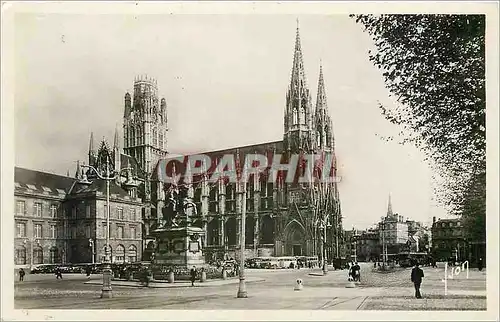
x: 92, y: 249
x: 322, y: 246
x: 325, y: 262
x: 355, y: 250
x: 383, y: 244
x: 106, y: 291
x: 242, y: 290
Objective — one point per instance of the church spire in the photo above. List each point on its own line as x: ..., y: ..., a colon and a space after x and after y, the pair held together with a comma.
x: 77, y: 173
x: 92, y: 152
x: 116, y: 142
x: 117, y: 153
x: 323, y: 121
x: 298, y: 73
x: 389, y: 207
x: 321, y: 104
x: 298, y: 123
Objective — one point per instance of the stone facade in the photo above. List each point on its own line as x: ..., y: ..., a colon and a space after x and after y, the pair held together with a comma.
x: 368, y: 245
x: 448, y: 239
x: 57, y: 216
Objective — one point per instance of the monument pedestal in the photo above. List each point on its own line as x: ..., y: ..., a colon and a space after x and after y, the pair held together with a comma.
x: 179, y: 247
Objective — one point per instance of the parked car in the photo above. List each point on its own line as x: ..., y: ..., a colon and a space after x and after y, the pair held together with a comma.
x: 44, y: 269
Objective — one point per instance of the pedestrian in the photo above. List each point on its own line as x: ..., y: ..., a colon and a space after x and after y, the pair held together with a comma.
x: 21, y: 275
x: 480, y: 264
x: 349, y: 273
x: 193, y: 275
x: 88, y: 271
x: 58, y: 273
x: 416, y: 278
x: 357, y: 272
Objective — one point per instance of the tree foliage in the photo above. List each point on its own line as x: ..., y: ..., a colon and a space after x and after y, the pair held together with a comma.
x: 434, y: 65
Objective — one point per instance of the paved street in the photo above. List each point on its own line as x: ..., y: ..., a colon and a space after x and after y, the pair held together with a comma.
x: 267, y: 289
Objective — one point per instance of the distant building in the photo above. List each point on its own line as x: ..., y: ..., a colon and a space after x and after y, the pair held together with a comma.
x: 393, y: 231
x: 368, y: 245
x: 419, y: 236
x: 448, y: 239
x: 351, y: 244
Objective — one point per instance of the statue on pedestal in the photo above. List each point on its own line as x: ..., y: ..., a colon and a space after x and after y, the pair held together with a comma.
x: 176, y: 208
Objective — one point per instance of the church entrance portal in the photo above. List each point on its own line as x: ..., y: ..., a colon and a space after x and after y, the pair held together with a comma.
x: 294, y: 239
x: 297, y: 250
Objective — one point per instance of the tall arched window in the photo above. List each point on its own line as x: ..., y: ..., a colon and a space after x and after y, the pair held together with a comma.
x: 21, y: 255
x: 120, y: 254
x: 139, y: 136
x: 132, y: 254
x: 160, y: 143
x: 318, y: 138
x: 267, y: 230
x: 38, y: 255
x: 155, y: 137
x: 231, y: 230
x: 295, y: 117
x: 213, y: 232
x: 132, y: 136
x: 302, y: 116
x: 54, y: 255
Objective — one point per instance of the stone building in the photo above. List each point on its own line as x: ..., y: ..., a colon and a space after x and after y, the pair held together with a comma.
x: 62, y: 220
x: 368, y: 245
x: 448, y: 239
x: 393, y: 231
x: 39, y: 217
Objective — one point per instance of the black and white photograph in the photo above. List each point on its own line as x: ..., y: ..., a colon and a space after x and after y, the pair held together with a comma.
x: 308, y: 160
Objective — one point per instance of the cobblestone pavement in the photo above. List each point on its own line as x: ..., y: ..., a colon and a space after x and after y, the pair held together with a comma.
x: 271, y: 289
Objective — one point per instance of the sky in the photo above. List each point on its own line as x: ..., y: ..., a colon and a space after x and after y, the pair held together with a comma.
x: 224, y: 78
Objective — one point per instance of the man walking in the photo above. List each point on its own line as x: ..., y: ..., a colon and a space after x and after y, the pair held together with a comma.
x: 416, y: 278
x: 58, y: 273
x: 21, y: 274
x: 193, y: 275
x: 357, y: 272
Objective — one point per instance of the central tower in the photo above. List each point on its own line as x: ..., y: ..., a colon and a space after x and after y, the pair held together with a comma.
x: 145, y: 124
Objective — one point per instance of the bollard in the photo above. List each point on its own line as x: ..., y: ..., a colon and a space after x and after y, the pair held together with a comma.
x: 299, y: 285
x: 224, y: 274
x: 203, y: 277
x: 171, y: 277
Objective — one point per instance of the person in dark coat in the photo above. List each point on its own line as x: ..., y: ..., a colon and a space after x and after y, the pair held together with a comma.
x: 193, y: 275
x: 480, y: 264
x: 21, y: 275
x: 357, y: 272
x: 88, y: 271
x: 416, y: 278
x: 58, y: 273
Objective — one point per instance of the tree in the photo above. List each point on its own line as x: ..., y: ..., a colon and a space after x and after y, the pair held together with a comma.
x: 434, y: 65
